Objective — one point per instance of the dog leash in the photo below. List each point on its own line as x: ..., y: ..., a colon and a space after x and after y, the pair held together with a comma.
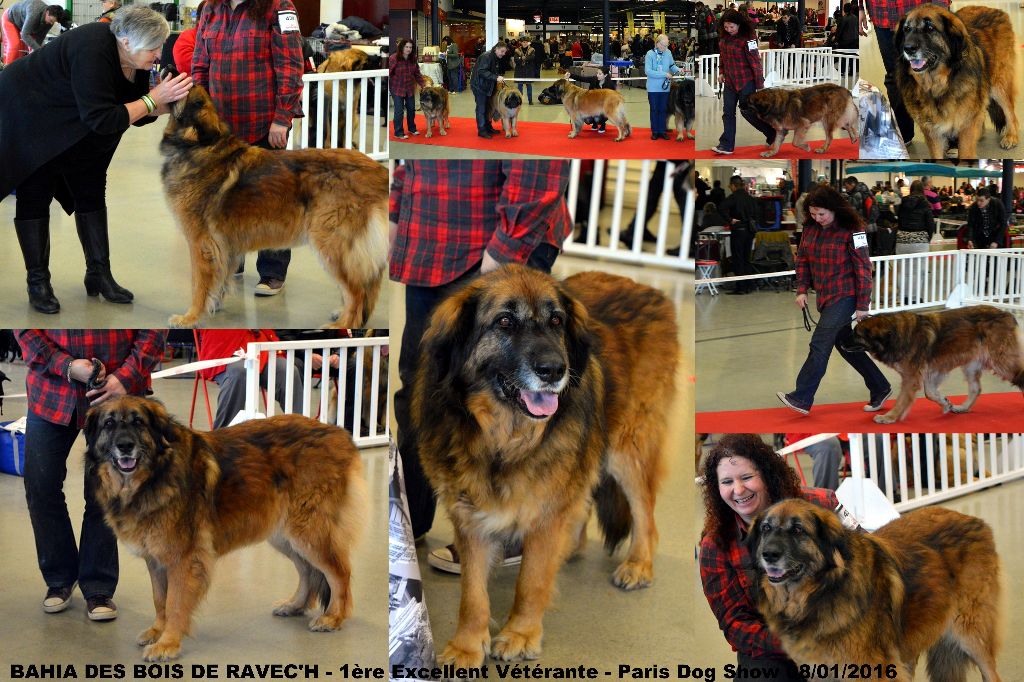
x: 808, y: 319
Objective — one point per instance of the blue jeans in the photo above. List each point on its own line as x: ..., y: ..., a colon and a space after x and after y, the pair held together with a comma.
x: 833, y: 327
x: 407, y: 106
x: 93, y: 563
x: 730, y: 100
x: 529, y: 91
x: 658, y: 102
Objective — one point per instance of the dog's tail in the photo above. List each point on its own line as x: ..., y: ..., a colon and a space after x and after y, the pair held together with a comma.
x: 613, y: 513
x: 319, y: 586
x: 947, y: 660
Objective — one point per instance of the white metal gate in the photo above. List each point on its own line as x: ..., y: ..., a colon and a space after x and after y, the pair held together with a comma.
x: 343, y: 118
x: 794, y: 67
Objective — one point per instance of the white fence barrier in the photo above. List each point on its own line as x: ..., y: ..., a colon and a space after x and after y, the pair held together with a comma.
x: 914, y: 470
x: 793, y: 67
x: 591, y: 242
x: 367, y: 357
x: 343, y: 117
x: 995, y: 277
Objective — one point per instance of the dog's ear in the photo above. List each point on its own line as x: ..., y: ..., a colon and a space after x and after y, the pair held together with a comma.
x: 831, y: 538
x: 449, y: 339
x: 956, y: 38
x: 92, y: 427
x: 160, y: 422
x: 579, y: 337
x: 898, y: 38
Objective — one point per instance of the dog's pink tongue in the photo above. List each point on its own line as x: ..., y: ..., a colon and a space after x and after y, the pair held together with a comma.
x: 540, y: 403
x: 774, y: 572
x: 917, y: 63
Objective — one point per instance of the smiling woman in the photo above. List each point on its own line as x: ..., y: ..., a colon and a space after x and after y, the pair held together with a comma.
x: 743, y: 476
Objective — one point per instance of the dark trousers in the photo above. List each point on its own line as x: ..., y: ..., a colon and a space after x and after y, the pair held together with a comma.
x: 654, y: 192
x: 784, y: 670
x: 730, y: 100
x: 419, y: 304
x: 93, y: 563
x: 658, y: 102
x: 529, y: 90
x: 81, y: 169
x: 833, y: 327
x: 404, y: 106
x: 482, y: 119
x: 740, y: 243
x: 885, y: 37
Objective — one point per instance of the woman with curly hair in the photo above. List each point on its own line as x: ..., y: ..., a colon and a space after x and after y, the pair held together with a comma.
x: 741, y: 75
x: 743, y: 476
x: 404, y: 76
x: 833, y: 260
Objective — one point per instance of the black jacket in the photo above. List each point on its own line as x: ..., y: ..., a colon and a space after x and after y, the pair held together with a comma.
x: 741, y: 207
x: 981, y: 234
x: 915, y: 215
x: 485, y: 74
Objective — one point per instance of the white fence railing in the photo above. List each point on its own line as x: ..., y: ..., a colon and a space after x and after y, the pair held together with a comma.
x: 793, y: 67
x: 914, y: 470
x: 591, y: 242
x: 344, y: 117
x: 368, y: 385
x: 995, y: 277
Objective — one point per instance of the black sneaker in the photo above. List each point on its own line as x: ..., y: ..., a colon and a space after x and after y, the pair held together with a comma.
x: 268, y: 286
x: 100, y: 608
x: 875, y: 404
x: 788, y: 402
x: 58, y: 598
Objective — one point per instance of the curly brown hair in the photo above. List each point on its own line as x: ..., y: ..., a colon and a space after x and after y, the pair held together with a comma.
x: 401, y: 46
x: 780, y: 480
x: 825, y: 196
x: 741, y: 19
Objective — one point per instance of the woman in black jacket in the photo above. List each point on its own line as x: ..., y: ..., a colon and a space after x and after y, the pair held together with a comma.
x: 917, y: 225
x: 486, y: 77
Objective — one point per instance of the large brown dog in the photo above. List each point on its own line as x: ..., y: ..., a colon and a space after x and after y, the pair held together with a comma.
x: 682, y: 104
x: 181, y: 499
x: 531, y: 395
x: 343, y: 61
x: 435, y: 106
x: 925, y: 347
x: 504, y: 105
x: 951, y: 68
x: 589, y: 105
x: 927, y: 582
x: 797, y: 110
x: 231, y: 198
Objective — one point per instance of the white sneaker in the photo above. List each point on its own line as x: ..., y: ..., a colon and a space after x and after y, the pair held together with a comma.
x: 447, y: 558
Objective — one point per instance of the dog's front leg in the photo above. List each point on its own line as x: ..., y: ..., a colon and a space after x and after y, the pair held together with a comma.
x: 206, y: 278
x: 158, y: 577
x: 472, y: 637
x: 187, y: 581
x: 909, y: 386
x: 544, y: 550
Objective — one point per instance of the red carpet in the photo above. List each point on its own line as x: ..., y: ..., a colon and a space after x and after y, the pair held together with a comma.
x: 993, y: 413
x: 552, y: 139
x: 840, y: 149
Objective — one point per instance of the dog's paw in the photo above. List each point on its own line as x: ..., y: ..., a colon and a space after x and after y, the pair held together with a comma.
x: 465, y: 654
x: 820, y: 150
x: 691, y: 135
x: 286, y: 608
x: 1008, y: 140
x: 884, y: 419
x: 511, y: 645
x: 183, y: 321
x: 767, y: 155
x: 161, y: 651
x: 148, y: 636
x: 958, y: 409
x: 633, y: 575
x: 805, y: 147
x: 515, y: 133
x: 430, y: 135
x: 325, y: 623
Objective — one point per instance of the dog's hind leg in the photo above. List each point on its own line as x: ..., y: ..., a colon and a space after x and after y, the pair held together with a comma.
x: 800, y: 135
x: 972, y: 371
x: 358, y: 267
x: 208, y: 276
x: 303, y: 593
x: 932, y: 381
x: 1001, y: 110
x: 829, y: 131
x: 322, y: 545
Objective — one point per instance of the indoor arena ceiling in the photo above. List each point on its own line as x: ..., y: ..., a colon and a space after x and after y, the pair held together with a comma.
x: 572, y: 11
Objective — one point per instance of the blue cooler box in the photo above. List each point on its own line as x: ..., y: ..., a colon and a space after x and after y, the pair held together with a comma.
x: 12, y: 452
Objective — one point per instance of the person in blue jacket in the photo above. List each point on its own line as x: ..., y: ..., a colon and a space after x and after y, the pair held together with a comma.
x: 659, y: 65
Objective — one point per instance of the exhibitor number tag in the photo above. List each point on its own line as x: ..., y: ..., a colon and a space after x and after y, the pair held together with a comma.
x: 288, y: 20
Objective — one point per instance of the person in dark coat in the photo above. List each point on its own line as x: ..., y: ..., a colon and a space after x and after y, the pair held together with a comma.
x: 63, y: 109
x: 740, y: 209
x: 25, y: 25
x: 986, y: 222
x: 525, y: 64
x: 485, y: 79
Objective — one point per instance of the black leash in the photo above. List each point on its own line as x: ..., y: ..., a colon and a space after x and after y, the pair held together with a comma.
x: 808, y: 320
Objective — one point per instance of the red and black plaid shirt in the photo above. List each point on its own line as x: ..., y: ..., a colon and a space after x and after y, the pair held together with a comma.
x: 128, y: 354
x: 449, y: 212
x: 728, y: 577
x: 252, y: 71
x: 828, y: 262
x: 739, y: 64
x: 887, y: 13
x: 404, y: 76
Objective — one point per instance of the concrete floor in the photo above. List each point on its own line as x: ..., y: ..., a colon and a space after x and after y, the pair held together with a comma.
x: 872, y: 70
x: 150, y: 257
x: 234, y: 624
x: 590, y: 621
x: 463, y: 105
x: 735, y: 334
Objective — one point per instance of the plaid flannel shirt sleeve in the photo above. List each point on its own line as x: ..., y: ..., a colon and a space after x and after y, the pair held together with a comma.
x: 753, y: 58
x: 803, y: 270
x: 42, y: 354
x: 743, y: 627
x: 146, y: 352
x: 201, y: 56
x: 862, y: 274
x: 532, y: 199
x: 397, y: 185
x: 286, y: 53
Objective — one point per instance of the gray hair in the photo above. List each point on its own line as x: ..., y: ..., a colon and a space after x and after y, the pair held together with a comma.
x: 144, y: 28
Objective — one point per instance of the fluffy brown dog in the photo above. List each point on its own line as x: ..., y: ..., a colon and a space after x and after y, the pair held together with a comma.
x: 583, y: 104
x: 527, y: 405
x: 504, y: 105
x: 434, y: 105
x: 951, y: 68
x: 682, y: 105
x: 925, y: 347
x: 181, y: 499
x: 343, y: 61
x: 230, y: 198
x: 871, y: 604
x: 798, y: 110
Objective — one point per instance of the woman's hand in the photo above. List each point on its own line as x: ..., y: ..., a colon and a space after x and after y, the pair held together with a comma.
x: 81, y: 370
x: 278, y: 136
x: 170, y: 90
x: 111, y: 388
x: 721, y: 78
x: 801, y: 301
